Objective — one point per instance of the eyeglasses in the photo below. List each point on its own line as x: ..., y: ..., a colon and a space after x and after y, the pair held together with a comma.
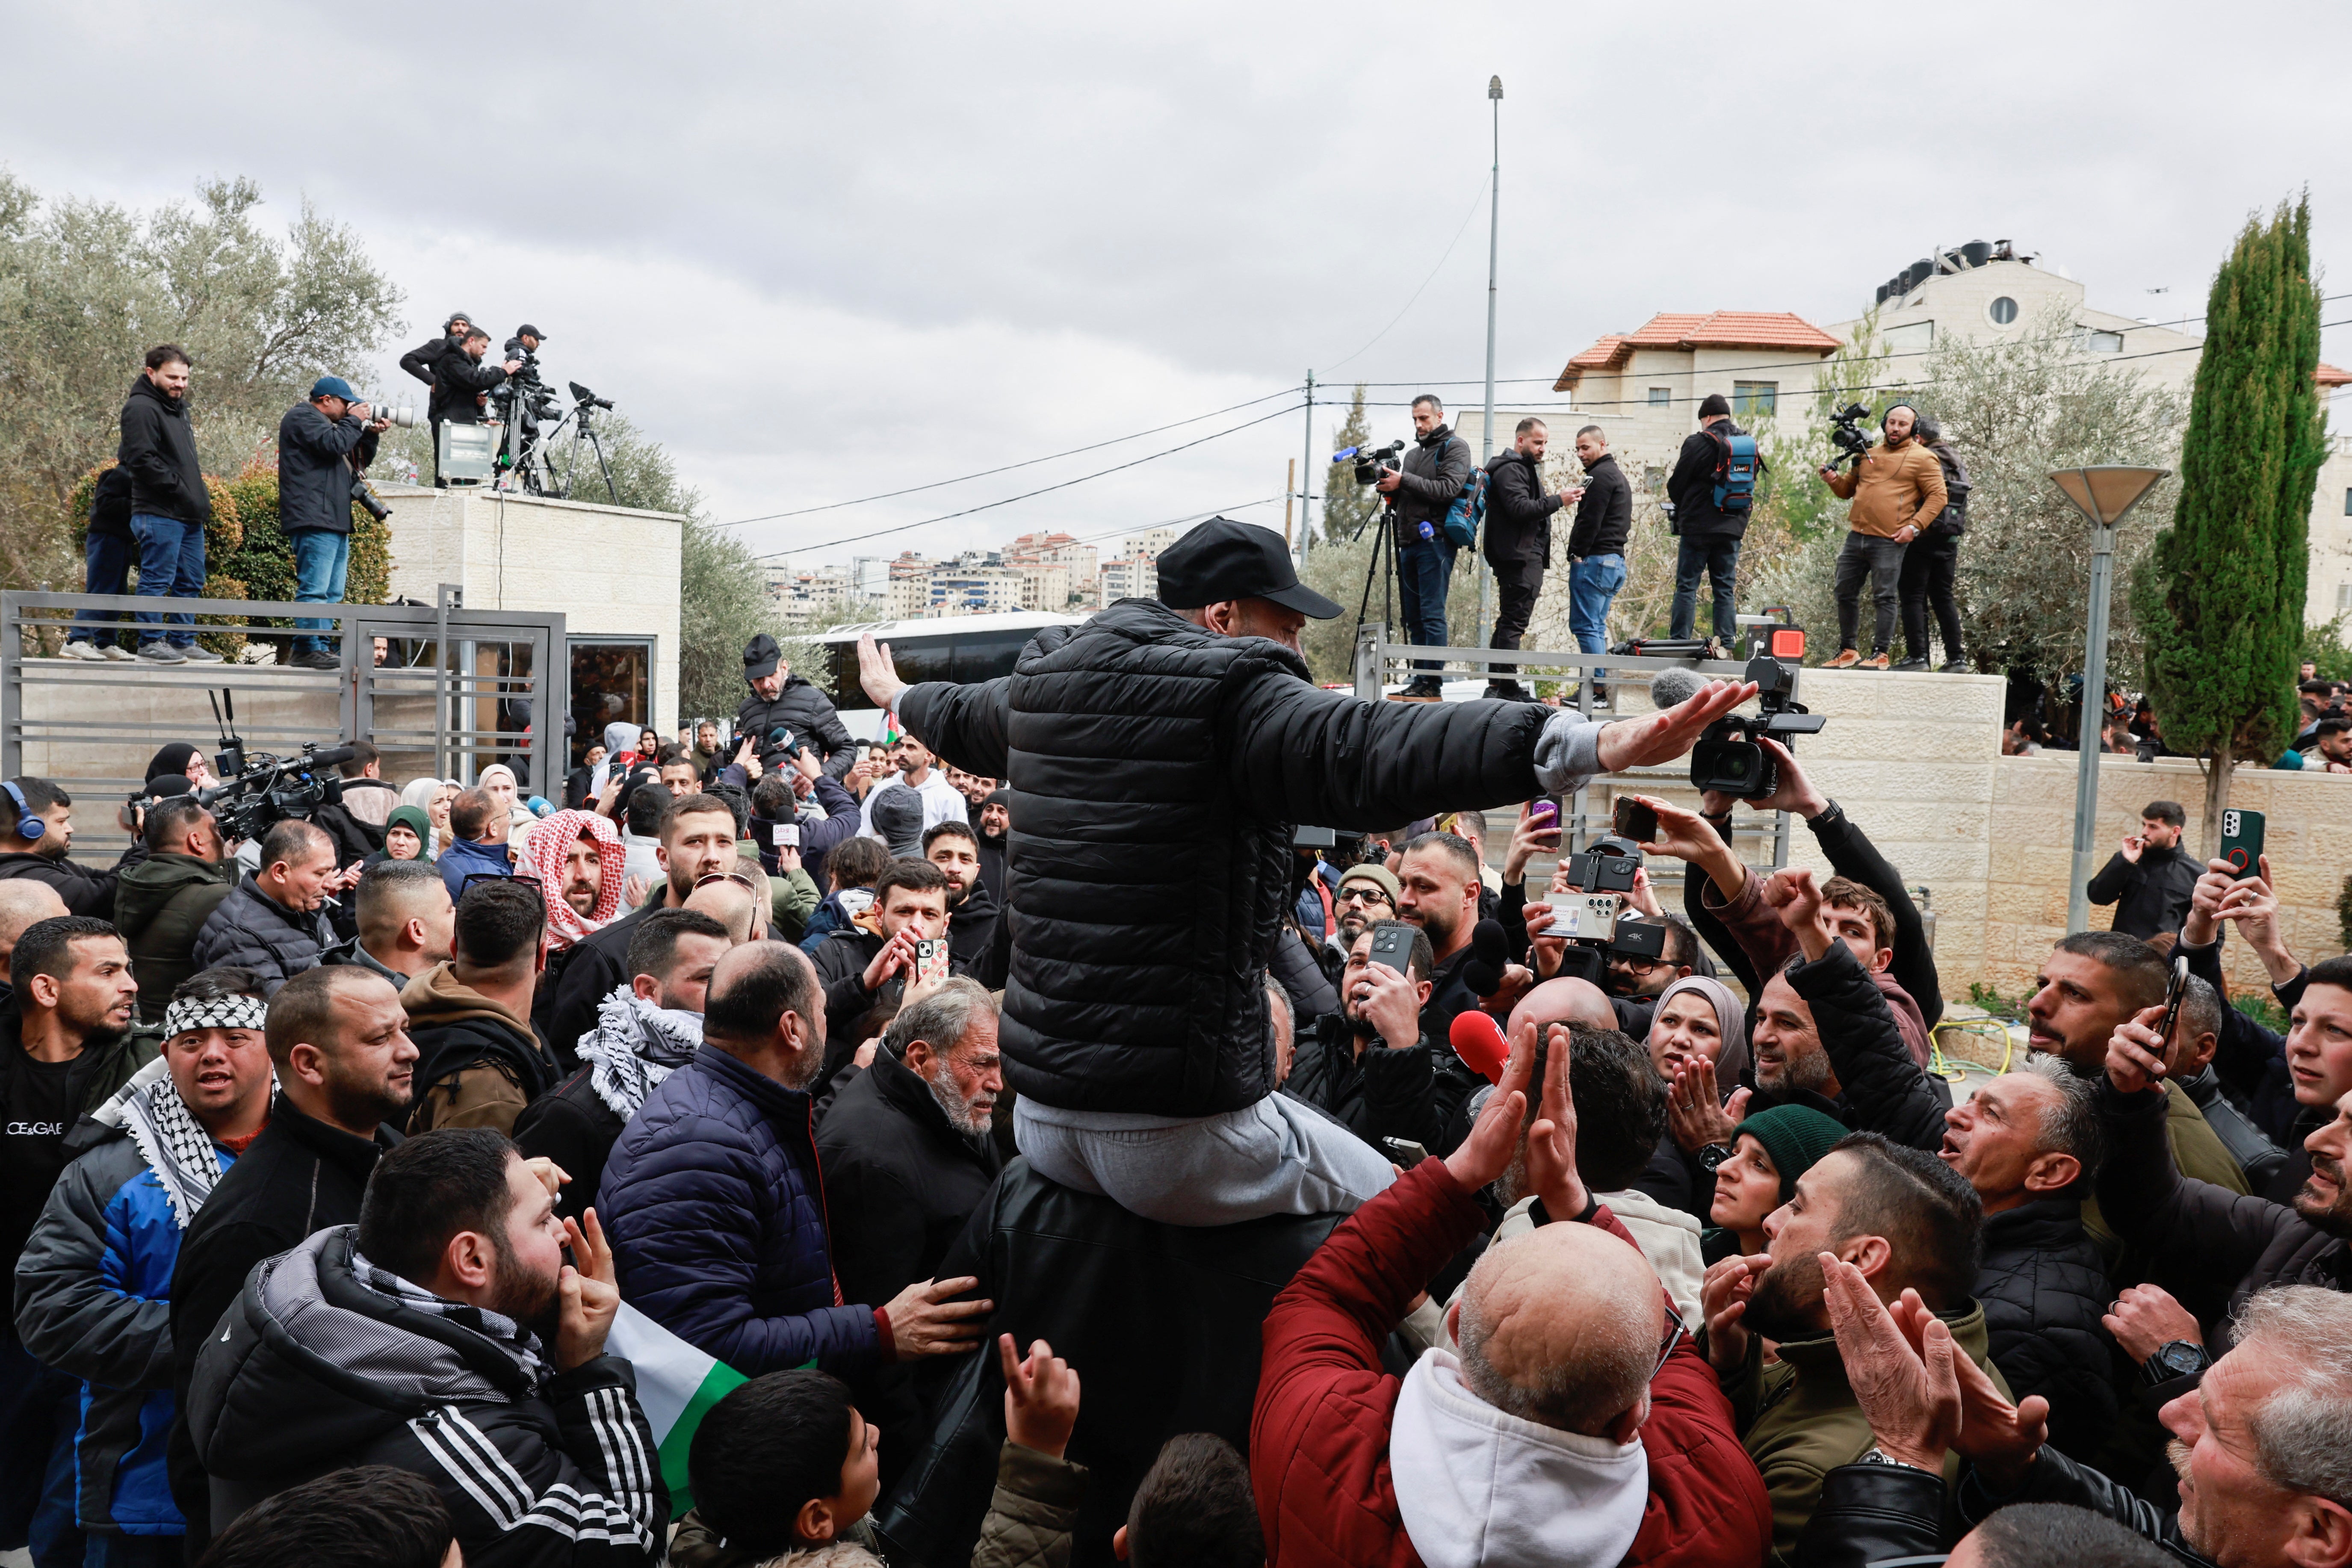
x: 1674, y: 1332
x: 1361, y: 895
x: 740, y: 878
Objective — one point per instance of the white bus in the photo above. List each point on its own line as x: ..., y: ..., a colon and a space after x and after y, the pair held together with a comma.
x: 963, y: 648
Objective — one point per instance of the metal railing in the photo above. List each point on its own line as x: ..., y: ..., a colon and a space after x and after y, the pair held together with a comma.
x: 1377, y: 660
x: 442, y: 701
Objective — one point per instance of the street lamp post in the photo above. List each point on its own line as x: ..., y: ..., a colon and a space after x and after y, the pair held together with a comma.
x: 2103, y: 494
x: 1493, y: 236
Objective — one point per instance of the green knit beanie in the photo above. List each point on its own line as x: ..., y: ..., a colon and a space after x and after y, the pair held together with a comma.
x: 1795, y: 1136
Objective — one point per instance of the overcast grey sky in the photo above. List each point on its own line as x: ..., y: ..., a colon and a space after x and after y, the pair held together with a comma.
x: 822, y: 252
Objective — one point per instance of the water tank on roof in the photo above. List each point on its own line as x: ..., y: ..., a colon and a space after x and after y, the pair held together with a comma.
x: 1885, y: 290
x: 1918, y: 272
x: 1977, y: 252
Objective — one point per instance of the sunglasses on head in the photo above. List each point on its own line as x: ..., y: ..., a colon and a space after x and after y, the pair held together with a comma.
x: 740, y: 878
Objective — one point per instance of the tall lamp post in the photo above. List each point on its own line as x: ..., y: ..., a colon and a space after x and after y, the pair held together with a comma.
x: 1493, y: 236
x: 2103, y: 494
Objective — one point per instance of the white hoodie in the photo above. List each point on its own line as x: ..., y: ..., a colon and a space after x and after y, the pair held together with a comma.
x: 1479, y: 1489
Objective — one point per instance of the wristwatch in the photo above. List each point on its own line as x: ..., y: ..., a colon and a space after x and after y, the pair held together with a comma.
x: 1875, y: 1457
x: 2174, y: 1358
x: 1829, y: 813
x: 1712, y: 1155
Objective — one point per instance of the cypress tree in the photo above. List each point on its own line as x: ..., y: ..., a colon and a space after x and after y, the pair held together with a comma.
x: 2221, y: 602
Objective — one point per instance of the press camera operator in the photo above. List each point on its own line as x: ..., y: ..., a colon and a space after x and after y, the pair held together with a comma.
x: 1434, y: 468
x: 1897, y: 492
x: 462, y: 384
x: 523, y: 347
x: 323, y: 446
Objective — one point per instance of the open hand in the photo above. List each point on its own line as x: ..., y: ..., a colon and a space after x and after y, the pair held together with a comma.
x: 1552, y: 1141
x: 1997, y: 1437
x: 924, y: 1321
x: 587, y: 1295
x: 1040, y: 1397
x: 1911, y: 1395
x: 1662, y: 736
x: 1487, y: 1152
x: 1695, y: 1116
x: 877, y: 674
x: 1683, y: 835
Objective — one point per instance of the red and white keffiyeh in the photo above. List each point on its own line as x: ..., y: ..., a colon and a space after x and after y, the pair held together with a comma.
x: 550, y: 841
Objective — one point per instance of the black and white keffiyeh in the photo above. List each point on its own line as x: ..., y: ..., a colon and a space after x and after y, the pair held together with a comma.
x: 175, y: 1148
x: 236, y: 1011
x: 633, y: 1047
x: 513, y: 1337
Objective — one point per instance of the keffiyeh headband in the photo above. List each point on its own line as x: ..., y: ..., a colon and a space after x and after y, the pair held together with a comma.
x: 232, y: 1012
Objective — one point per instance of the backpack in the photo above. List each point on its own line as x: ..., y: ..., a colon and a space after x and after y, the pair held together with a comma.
x: 1469, y: 509
x: 1735, y: 473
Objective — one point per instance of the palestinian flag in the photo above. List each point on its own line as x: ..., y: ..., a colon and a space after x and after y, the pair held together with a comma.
x: 891, y: 733
x: 677, y: 1385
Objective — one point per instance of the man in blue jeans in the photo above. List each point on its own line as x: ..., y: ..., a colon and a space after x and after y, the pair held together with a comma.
x: 108, y: 554
x: 1433, y: 473
x: 322, y: 445
x: 169, y: 506
x: 1709, y: 536
x: 1596, y: 545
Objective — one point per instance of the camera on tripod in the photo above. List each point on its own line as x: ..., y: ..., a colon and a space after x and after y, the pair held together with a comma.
x: 1847, y: 435
x: 259, y: 790
x: 1372, y: 461
x: 1727, y: 759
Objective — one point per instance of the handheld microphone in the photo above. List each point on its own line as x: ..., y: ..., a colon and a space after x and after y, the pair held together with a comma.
x: 1672, y: 688
x: 1489, y: 952
x: 1344, y: 453
x: 1478, y: 1040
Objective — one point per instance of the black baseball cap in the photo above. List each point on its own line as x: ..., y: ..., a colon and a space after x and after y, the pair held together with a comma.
x: 760, y: 657
x: 1222, y: 559
x: 528, y: 331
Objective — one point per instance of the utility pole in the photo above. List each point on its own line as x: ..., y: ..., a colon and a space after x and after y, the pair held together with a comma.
x: 1493, y: 236
x: 1307, y: 469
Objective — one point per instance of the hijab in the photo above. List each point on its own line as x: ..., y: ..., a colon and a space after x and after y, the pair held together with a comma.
x: 412, y: 819
x: 173, y: 759
x: 419, y: 793
x: 1730, y: 1021
x: 544, y: 853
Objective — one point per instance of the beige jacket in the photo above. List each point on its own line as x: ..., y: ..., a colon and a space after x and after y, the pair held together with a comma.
x: 1893, y: 487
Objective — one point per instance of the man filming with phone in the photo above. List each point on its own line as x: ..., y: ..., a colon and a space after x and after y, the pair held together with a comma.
x: 856, y: 967
x: 2149, y: 879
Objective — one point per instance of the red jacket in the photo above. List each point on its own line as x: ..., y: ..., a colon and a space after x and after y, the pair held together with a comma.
x: 1320, y: 1434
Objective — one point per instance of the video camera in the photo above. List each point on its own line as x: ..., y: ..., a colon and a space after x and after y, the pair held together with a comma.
x: 1847, y: 435
x: 1372, y: 461
x: 1727, y: 759
x: 259, y: 790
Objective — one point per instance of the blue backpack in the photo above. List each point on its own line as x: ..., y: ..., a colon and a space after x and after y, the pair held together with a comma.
x: 1469, y: 509
x: 1735, y: 473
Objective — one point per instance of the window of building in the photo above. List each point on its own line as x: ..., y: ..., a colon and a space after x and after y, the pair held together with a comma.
x: 2002, y: 311
x: 1911, y: 338
x: 1661, y: 396
x: 611, y: 683
x: 2100, y: 342
x: 2348, y: 503
x: 2343, y: 597
x: 1754, y: 397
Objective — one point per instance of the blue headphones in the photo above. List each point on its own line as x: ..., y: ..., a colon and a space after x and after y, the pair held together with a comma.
x: 28, y: 826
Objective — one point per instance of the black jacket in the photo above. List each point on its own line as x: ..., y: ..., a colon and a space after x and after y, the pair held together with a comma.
x: 2151, y: 895
x: 110, y: 505
x: 1434, y: 468
x: 160, y: 905
x: 313, y: 1371
x: 32, y: 1152
x: 1893, y: 1513
x: 2045, y: 1290
x: 1604, y: 517
x: 2210, y: 1247
x: 457, y: 379
x: 2250, y: 1061
x: 900, y: 1182
x: 160, y: 449
x: 1164, y: 1319
x: 975, y: 942
x: 252, y: 929
x: 85, y: 891
x: 1157, y: 769
x: 2265, y: 1164
x: 1417, y: 1093
x: 1300, y: 974
x: 420, y: 361
x: 1881, y: 1089
x: 571, y: 1125
x: 314, y: 468
x: 592, y: 967
x: 1691, y: 487
x: 1518, y: 513
x: 1953, y: 521
x: 298, y: 1177
x: 808, y: 713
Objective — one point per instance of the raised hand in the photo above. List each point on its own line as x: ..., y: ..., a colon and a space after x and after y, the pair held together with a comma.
x: 1552, y: 1141
x: 876, y: 672
x: 1723, y: 1300
x: 2135, y: 1052
x: 1688, y: 836
x: 1695, y: 1116
x: 1487, y: 1152
x: 1040, y: 1397
x: 1911, y: 1394
x: 587, y: 1294
x: 1535, y: 834
x: 1662, y: 736
x: 1792, y: 893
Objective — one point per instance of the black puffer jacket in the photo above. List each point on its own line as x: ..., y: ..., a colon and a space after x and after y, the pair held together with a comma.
x: 1157, y: 771
x: 1880, y: 1088
x: 160, y: 449
x: 808, y: 713
x: 252, y: 928
x: 457, y: 379
x: 85, y: 891
x: 2044, y: 1289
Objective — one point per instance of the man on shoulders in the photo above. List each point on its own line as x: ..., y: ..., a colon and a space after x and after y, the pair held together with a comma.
x: 780, y: 699
x: 339, y: 1044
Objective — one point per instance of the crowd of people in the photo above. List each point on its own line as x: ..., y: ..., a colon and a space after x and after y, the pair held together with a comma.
x: 357, y: 1176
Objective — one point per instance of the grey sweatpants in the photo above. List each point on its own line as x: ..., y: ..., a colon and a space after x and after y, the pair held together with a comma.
x: 1279, y: 1156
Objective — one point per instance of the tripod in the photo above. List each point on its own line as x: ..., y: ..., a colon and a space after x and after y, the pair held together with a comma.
x: 586, y: 431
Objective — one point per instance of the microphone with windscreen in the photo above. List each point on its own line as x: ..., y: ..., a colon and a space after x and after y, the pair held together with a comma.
x: 1489, y: 952
x: 1478, y: 1040
x: 1673, y: 686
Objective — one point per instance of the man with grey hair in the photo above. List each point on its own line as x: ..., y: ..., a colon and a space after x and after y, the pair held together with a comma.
x: 2029, y: 1142
x: 906, y: 1145
x: 2263, y: 1447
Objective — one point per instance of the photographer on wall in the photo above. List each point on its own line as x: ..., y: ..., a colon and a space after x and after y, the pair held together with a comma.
x: 461, y: 386
x: 1434, y: 468
x: 1518, y: 546
x: 1930, y: 562
x: 1708, y: 535
x: 322, y: 445
x: 1896, y: 488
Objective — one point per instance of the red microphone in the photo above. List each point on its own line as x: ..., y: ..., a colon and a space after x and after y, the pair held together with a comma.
x: 1478, y: 1040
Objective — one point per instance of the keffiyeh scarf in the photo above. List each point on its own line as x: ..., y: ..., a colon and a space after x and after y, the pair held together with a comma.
x: 633, y: 1047
x: 543, y: 854
x: 175, y: 1148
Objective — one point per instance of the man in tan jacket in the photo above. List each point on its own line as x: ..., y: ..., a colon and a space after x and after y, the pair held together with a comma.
x: 1897, y: 489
